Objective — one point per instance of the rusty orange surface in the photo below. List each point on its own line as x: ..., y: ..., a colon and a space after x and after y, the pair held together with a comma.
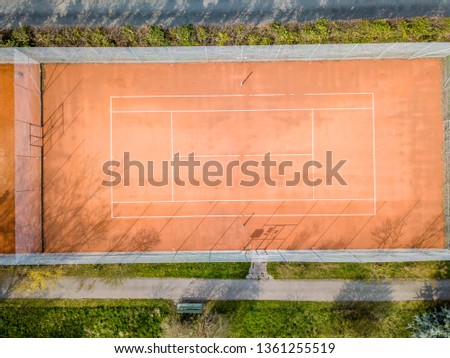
x: 7, y: 216
x: 382, y: 117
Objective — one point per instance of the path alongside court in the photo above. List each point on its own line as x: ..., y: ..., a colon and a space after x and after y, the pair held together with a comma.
x: 212, y: 289
x: 175, y: 13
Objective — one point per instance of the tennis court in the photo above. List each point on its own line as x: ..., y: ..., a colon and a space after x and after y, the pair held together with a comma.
x: 382, y: 119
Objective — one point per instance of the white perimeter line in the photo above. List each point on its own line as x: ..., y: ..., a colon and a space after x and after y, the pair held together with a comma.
x: 374, y: 158
x: 338, y: 93
x: 246, y: 110
x: 110, y: 150
x: 237, y: 200
x: 247, y: 155
x: 212, y: 95
x: 312, y: 151
x: 235, y: 216
x: 240, y: 95
x: 171, y: 148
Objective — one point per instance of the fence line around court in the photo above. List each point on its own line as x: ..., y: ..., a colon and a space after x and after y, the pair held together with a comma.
x: 247, y: 54
x: 319, y: 52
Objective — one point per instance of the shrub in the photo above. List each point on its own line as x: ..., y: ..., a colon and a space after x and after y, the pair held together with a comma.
x: 321, y: 31
x: 21, y: 37
x: 183, y: 36
x: 155, y: 36
x: 435, y: 324
x: 222, y: 39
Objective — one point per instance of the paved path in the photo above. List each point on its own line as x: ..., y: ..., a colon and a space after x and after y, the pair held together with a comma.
x: 285, y: 290
x: 175, y: 12
x: 357, y: 256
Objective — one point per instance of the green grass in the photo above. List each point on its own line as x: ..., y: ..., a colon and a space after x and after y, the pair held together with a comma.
x: 186, y: 270
x: 360, y: 271
x: 238, y: 270
x: 421, y: 29
x: 320, y: 319
x: 83, y: 318
x: 157, y: 318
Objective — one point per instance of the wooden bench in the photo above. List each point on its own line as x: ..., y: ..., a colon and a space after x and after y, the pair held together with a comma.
x: 193, y: 306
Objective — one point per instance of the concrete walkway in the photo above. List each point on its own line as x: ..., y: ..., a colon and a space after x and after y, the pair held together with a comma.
x: 285, y: 290
x: 357, y: 256
x: 175, y: 13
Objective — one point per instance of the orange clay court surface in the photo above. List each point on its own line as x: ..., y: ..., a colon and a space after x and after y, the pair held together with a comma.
x: 6, y: 158
x: 383, y: 117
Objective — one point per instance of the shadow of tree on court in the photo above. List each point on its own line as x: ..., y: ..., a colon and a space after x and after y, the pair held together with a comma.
x: 361, y: 306
x: 332, y: 244
x: 389, y: 232
x: 69, y: 225
x: 145, y: 239
x: 303, y: 237
x: 434, y: 231
x: 135, y: 240
x: 299, y: 240
x: 76, y: 218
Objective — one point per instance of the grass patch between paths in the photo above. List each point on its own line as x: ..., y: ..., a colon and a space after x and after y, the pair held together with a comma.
x: 360, y: 271
x: 238, y: 270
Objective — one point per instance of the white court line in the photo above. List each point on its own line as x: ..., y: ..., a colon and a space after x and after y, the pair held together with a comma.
x: 248, y: 155
x: 111, y: 150
x: 171, y: 149
x: 374, y: 158
x: 239, y: 95
x: 236, y: 200
x: 211, y: 95
x: 312, y: 151
x: 245, y: 110
x: 236, y: 215
x: 338, y: 93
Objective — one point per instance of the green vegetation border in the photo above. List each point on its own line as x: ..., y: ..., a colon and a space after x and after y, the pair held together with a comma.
x: 157, y: 318
x: 420, y: 29
x: 279, y: 270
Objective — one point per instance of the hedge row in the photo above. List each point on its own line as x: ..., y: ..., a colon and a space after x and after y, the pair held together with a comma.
x: 320, y: 31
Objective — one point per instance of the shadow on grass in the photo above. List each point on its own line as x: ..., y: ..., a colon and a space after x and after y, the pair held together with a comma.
x: 442, y: 270
x: 215, y: 321
x: 360, y: 307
